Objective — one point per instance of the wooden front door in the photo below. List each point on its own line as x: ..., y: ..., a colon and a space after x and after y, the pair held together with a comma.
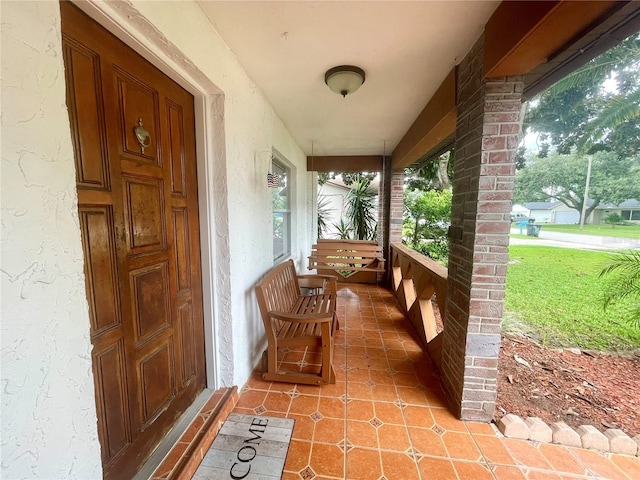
x: 133, y: 132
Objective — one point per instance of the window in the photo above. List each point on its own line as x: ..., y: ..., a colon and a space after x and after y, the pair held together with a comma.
x: 281, y: 211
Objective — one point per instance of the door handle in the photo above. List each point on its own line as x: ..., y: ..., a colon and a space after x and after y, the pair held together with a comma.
x: 142, y: 135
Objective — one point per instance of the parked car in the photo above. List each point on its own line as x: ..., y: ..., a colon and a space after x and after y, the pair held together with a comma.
x: 521, y: 217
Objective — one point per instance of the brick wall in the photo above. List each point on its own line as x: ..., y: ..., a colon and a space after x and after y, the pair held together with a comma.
x: 396, y: 202
x: 488, y: 123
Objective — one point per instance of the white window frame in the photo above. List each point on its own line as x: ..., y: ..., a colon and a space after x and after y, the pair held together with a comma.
x: 281, y: 167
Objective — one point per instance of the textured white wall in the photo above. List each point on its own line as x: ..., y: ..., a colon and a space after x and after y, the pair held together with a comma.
x: 48, y: 407
x: 334, y: 196
x: 49, y: 425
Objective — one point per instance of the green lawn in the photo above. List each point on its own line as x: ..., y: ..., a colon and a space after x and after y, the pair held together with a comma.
x: 556, y: 292
x: 624, y: 231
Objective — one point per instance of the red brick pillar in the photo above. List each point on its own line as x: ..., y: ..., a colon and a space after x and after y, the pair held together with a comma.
x: 396, y: 207
x: 488, y: 123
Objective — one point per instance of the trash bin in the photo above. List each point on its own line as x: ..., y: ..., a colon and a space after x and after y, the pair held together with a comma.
x: 533, y: 230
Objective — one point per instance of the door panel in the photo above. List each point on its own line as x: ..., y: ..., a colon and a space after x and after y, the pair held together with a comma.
x: 144, y: 213
x: 138, y: 212
x: 111, y: 381
x: 138, y: 104
x: 96, y: 223
x: 84, y: 97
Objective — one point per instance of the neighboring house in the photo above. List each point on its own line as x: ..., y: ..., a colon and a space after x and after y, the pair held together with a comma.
x: 334, y: 194
x: 629, y: 210
x: 559, y: 213
x: 542, y: 212
x: 548, y: 212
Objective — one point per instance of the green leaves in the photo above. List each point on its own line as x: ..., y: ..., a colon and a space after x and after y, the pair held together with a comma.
x: 594, y: 108
x: 360, y: 208
x: 625, y: 269
x: 426, y: 220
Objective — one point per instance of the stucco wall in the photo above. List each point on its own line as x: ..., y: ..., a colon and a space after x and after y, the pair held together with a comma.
x: 334, y: 196
x: 48, y: 410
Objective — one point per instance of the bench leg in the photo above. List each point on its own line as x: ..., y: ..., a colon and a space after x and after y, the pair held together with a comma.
x: 328, y: 374
x: 272, y: 361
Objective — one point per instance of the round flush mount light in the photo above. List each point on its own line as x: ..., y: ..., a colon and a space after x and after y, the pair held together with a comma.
x: 344, y: 79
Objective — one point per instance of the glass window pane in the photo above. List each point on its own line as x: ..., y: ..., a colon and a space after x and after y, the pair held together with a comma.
x: 281, y: 211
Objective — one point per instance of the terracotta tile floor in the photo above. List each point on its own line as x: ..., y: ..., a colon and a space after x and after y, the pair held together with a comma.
x: 385, y: 418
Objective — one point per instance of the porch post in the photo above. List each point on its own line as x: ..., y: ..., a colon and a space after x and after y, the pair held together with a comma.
x: 488, y: 123
x: 390, y: 207
x: 397, y: 201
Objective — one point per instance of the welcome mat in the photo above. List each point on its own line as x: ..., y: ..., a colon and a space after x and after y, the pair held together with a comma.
x: 248, y: 447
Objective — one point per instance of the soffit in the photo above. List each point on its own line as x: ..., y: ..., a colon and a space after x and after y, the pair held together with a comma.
x: 407, y: 49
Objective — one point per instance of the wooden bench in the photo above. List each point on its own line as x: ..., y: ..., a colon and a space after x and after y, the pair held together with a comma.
x: 355, y: 261
x: 294, y: 320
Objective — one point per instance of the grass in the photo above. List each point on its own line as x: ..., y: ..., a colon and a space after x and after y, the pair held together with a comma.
x: 556, y: 293
x: 628, y: 230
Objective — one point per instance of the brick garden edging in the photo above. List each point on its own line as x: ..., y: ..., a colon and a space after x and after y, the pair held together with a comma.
x: 586, y: 436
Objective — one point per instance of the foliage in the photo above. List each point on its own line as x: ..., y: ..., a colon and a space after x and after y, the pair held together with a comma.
x: 626, y: 284
x: 435, y: 174
x: 613, y: 219
x: 557, y: 292
x: 426, y: 219
x: 580, y: 113
x: 343, y: 229
x: 360, y: 208
x: 563, y: 178
x: 323, y: 214
x: 348, y: 178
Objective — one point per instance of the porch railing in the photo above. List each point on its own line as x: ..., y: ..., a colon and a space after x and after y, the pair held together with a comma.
x: 417, y: 282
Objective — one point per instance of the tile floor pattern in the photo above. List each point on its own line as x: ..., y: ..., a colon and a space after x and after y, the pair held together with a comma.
x: 385, y: 418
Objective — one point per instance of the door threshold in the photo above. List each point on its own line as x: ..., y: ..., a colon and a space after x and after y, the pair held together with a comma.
x: 181, y: 451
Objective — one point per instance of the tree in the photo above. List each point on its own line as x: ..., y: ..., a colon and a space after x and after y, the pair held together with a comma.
x: 434, y: 174
x: 626, y: 282
x: 360, y: 208
x: 426, y: 219
x: 563, y: 178
x: 594, y: 108
x: 347, y: 177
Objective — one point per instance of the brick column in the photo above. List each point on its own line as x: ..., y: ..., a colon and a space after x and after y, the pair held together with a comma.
x: 488, y: 123
x: 396, y: 210
x: 384, y: 196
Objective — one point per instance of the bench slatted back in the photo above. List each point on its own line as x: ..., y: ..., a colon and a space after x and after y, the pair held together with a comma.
x: 352, y: 260
x: 278, y: 291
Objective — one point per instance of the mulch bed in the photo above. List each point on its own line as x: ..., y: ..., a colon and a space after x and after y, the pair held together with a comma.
x: 574, y: 386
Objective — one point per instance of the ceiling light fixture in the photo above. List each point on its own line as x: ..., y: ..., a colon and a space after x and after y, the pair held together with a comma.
x: 344, y: 79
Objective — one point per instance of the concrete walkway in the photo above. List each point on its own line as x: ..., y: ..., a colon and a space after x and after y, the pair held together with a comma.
x: 577, y: 241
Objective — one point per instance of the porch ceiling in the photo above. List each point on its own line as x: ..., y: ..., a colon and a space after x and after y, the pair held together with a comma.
x: 407, y: 49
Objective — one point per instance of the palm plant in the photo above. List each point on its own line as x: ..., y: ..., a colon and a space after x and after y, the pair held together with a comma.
x: 324, y: 213
x: 360, y: 209
x: 343, y: 230
x: 626, y: 283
